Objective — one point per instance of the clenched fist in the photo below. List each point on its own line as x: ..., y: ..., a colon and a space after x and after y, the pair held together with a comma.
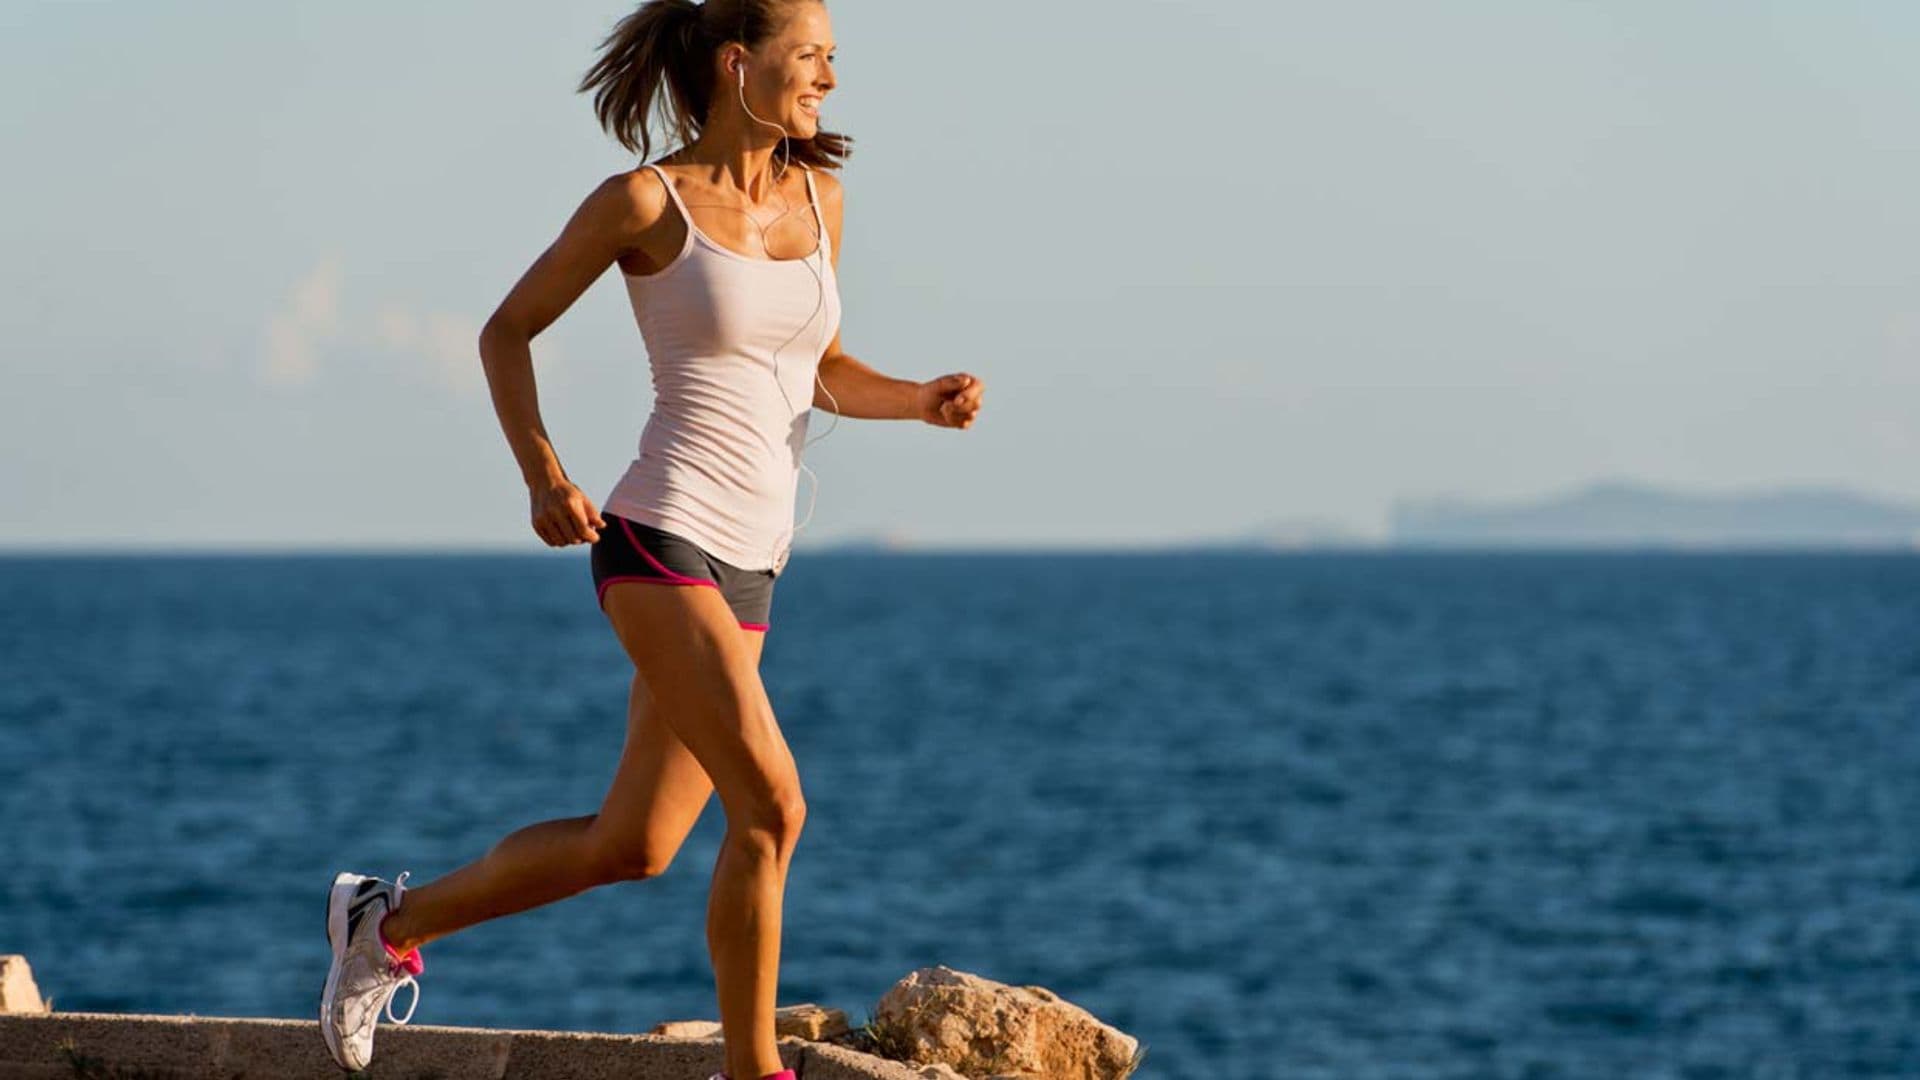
x: 563, y: 515
x: 950, y: 400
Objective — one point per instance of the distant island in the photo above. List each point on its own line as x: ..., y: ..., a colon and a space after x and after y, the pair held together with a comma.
x: 1617, y: 514
x: 1608, y: 515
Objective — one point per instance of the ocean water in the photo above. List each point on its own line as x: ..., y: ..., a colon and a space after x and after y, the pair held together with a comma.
x: 1366, y: 816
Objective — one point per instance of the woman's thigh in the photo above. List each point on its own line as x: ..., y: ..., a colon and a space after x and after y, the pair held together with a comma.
x: 702, y: 674
x: 659, y: 788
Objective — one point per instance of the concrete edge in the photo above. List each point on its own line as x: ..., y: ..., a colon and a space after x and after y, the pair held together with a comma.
x: 160, y: 1047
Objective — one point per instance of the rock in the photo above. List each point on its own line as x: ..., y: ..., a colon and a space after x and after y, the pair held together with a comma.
x: 687, y: 1029
x: 938, y: 1071
x: 986, y: 1028
x: 18, y: 993
x: 810, y: 1022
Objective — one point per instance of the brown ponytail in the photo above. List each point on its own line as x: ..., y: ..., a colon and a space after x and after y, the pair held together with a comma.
x: 671, y: 43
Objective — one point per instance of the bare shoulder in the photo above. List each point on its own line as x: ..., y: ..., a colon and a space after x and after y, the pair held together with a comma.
x: 829, y: 184
x: 631, y: 201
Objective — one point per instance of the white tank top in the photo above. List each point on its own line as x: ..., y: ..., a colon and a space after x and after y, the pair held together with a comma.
x: 720, y: 455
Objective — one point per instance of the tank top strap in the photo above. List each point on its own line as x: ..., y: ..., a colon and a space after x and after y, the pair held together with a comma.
x: 672, y: 193
x: 813, y: 197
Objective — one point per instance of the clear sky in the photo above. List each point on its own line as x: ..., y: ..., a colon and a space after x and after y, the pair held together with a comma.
x: 1219, y: 265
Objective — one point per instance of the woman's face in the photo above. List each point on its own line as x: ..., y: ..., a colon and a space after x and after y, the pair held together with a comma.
x: 790, y: 74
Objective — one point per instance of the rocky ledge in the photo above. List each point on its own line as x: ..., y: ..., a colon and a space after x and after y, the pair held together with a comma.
x: 934, y: 1024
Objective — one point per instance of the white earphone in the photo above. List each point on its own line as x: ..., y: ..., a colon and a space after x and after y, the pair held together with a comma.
x: 778, y: 554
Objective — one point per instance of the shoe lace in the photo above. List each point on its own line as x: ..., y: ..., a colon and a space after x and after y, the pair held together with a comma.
x: 406, y: 967
x: 412, y: 1003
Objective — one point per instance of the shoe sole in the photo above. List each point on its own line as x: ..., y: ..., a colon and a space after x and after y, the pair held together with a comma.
x: 345, y: 884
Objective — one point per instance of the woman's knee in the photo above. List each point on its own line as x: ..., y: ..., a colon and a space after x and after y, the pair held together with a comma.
x: 772, y: 825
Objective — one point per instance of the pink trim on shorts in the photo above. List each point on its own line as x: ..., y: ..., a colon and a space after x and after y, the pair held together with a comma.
x: 670, y: 577
x: 758, y: 627
x: 677, y: 579
x: 604, y: 582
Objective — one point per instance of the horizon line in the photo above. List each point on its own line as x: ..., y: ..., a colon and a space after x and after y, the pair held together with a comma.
x: 863, y: 548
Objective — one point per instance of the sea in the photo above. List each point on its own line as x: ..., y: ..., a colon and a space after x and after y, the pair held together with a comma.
x: 1310, y: 815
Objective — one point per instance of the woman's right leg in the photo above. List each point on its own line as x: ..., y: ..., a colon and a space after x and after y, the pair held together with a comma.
x: 705, y: 678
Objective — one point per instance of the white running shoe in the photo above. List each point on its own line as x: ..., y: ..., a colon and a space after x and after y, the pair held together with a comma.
x: 366, y: 971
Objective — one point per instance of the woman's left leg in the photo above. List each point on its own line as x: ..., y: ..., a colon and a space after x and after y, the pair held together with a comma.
x: 657, y: 794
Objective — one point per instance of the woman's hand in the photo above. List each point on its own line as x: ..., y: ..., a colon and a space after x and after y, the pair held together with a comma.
x: 562, y: 515
x: 949, y: 401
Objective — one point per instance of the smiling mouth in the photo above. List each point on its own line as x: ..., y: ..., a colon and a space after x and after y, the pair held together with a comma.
x: 810, y: 107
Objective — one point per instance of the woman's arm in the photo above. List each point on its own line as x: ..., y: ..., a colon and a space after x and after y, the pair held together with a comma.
x: 856, y: 391
x: 609, y: 221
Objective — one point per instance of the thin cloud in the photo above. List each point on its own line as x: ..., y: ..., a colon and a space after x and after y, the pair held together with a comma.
x: 447, y: 341
x: 313, y: 321
x: 307, y: 318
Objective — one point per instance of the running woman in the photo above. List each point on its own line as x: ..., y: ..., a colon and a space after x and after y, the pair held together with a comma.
x: 728, y: 249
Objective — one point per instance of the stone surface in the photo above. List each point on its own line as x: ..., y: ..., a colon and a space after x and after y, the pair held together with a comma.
x: 987, y: 1028
x: 243, y: 1048
x: 687, y: 1029
x: 18, y: 992
x: 826, y: 1061
x: 810, y: 1021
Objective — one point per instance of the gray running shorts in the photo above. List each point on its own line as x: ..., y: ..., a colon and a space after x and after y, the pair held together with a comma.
x: 631, y: 551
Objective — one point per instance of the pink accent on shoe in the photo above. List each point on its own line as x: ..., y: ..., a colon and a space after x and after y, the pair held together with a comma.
x: 410, y: 961
x: 783, y: 1074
